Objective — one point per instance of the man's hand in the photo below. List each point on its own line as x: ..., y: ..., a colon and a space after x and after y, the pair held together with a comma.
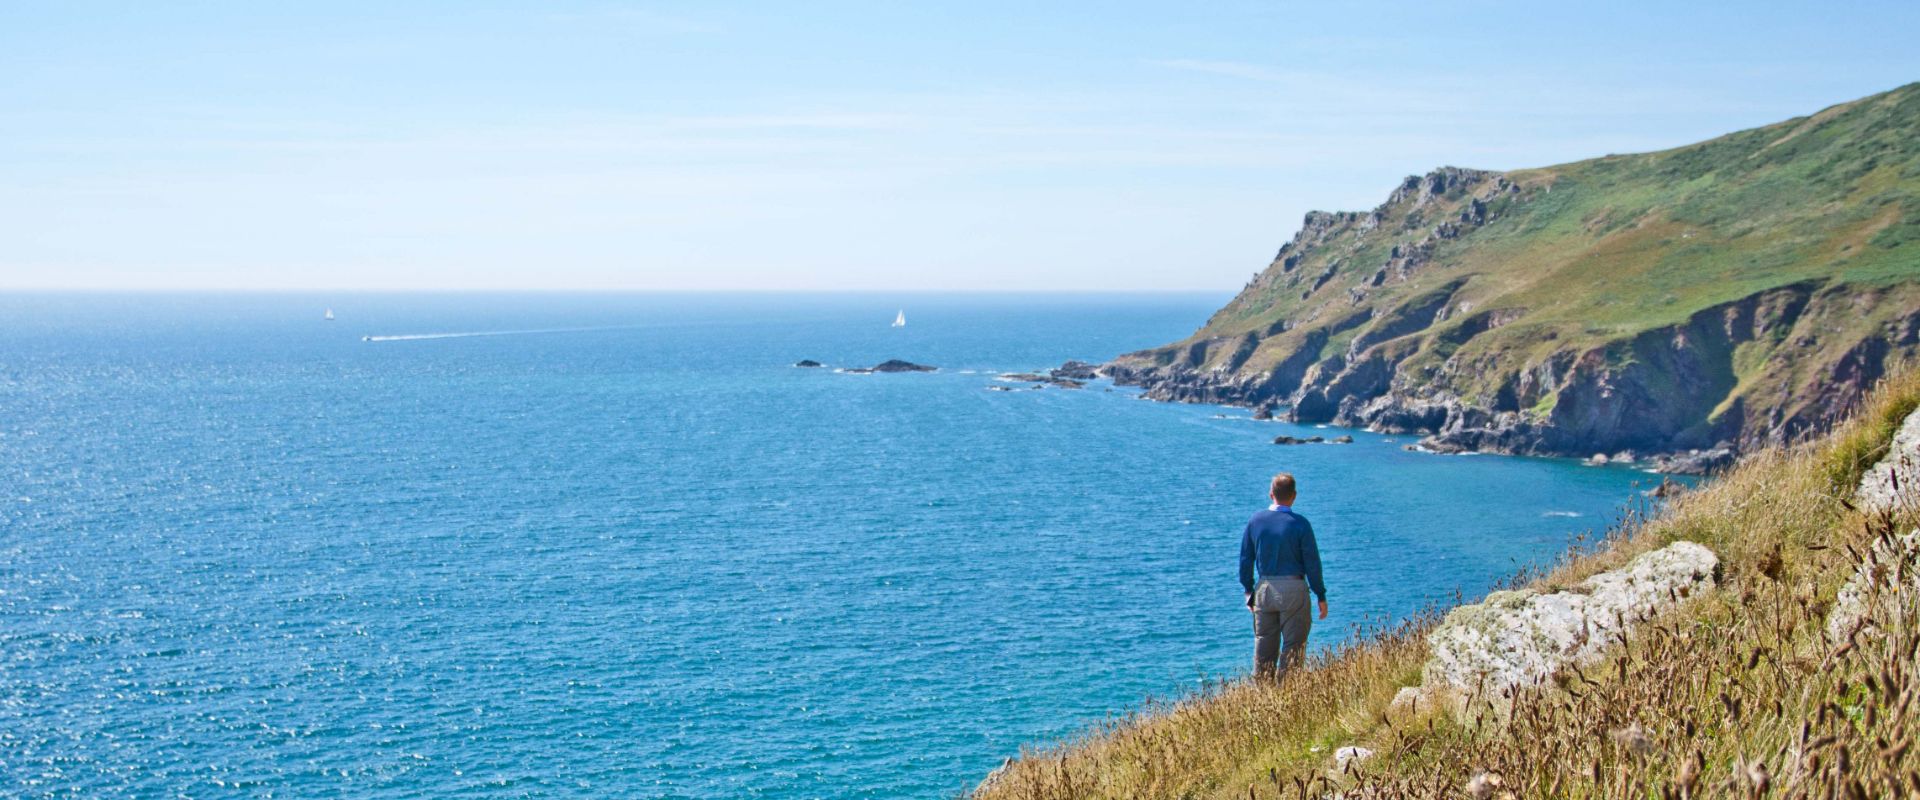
x: 1250, y: 602
x: 1323, y: 609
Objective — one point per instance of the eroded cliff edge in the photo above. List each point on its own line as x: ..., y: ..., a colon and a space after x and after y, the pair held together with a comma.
x: 1715, y: 297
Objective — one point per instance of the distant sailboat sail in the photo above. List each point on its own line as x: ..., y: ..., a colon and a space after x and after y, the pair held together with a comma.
x: 900, y: 320
x: 329, y: 316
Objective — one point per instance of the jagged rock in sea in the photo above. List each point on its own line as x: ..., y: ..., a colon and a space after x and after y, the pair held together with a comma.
x: 1263, y: 411
x: 1283, y: 439
x: 1077, y: 370
x: 1668, y: 487
x: 808, y: 362
x: 1051, y: 379
x: 1524, y: 637
x: 1696, y: 462
x: 1342, y: 439
x: 1661, y: 304
x: 892, y: 365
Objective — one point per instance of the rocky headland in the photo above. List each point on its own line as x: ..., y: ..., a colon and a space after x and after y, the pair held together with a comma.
x: 1670, y: 309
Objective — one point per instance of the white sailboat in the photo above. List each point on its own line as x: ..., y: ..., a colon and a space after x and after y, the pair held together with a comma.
x: 900, y: 320
x: 329, y: 316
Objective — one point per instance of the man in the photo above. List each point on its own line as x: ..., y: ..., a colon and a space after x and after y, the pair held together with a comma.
x: 1279, y: 546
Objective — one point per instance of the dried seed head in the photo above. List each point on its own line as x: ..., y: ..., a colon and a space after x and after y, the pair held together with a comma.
x: 1633, y: 739
x: 1484, y: 785
x: 1771, y: 564
x: 1757, y: 776
x: 1690, y: 772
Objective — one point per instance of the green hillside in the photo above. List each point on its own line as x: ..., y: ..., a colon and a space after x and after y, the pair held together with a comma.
x: 1790, y: 673
x: 1745, y: 289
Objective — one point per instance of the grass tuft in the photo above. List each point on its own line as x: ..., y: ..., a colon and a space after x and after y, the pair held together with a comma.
x: 1736, y: 693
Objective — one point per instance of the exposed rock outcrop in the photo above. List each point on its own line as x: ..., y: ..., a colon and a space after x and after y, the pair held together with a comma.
x: 1523, y: 637
x: 1891, y: 483
x: 1889, y: 573
x: 1888, y: 576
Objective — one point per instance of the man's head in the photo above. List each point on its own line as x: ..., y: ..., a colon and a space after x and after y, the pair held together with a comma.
x: 1282, y: 491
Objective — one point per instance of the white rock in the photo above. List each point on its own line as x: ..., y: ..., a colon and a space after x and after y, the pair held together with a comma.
x: 1350, y: 753
x: 1886, y: 579
x: 1888, y: 570
x: 1878, y: 489
x: 1523, y: 637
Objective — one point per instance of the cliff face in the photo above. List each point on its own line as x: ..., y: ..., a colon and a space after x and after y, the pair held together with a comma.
x: 1736, y: 292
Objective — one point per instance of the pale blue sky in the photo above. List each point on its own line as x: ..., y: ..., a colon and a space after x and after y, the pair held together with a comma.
x: 897, y: 146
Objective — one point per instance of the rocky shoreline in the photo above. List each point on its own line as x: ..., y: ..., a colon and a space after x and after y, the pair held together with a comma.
x: 1193, y: 387
x: 1421, y: 346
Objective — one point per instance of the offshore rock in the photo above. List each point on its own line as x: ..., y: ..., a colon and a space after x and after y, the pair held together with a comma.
x: 1048, y: 379
x: 808, y: 362
x: 1077, y: 370
x: 896, y: 365
x: 1696, y: 462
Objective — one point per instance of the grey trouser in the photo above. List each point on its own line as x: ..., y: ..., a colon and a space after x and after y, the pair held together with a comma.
x: 1281, y: 611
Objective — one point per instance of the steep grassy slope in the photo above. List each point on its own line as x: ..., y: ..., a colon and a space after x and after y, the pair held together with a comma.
x: 1736, y: 691
x: 1742, y: 290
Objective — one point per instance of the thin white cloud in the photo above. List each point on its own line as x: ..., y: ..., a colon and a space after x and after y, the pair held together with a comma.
x: 638, y: 19
x: 823, y: 121
x: 1232, y: 69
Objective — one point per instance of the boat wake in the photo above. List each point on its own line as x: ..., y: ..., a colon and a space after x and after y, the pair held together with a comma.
x: 411, y: 337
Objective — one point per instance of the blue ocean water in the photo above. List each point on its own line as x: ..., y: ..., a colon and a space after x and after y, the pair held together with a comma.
x: 623, y: 548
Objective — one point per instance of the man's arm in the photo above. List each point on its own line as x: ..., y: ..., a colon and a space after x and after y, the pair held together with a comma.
x: 1310, y: 559
x: 1246, y: 559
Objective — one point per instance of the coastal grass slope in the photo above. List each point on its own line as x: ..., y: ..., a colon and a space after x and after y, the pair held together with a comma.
x: 1741, y: 291
x: 1737, y: 691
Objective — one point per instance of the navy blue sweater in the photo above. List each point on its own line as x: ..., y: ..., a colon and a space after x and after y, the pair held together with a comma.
x: 1278, y: 543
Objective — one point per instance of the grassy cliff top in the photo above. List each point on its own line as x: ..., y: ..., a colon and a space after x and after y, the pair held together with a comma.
x: 1598, y: 250
x: 1735, y: 692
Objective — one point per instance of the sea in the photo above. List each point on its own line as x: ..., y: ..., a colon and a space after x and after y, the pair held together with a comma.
x: 618, y: 545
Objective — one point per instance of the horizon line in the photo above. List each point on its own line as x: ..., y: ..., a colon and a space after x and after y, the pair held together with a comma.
x: 578, y: 290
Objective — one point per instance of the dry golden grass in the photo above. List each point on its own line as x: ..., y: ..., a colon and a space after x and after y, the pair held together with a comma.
x: 1735, y: 694
x: 1186, y: 747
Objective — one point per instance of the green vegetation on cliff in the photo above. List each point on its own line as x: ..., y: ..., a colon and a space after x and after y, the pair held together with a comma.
x: 1746, y: 688
x: 1745, y: 289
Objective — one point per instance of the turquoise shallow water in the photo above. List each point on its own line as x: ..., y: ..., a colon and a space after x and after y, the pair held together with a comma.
x: 244, y: 553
